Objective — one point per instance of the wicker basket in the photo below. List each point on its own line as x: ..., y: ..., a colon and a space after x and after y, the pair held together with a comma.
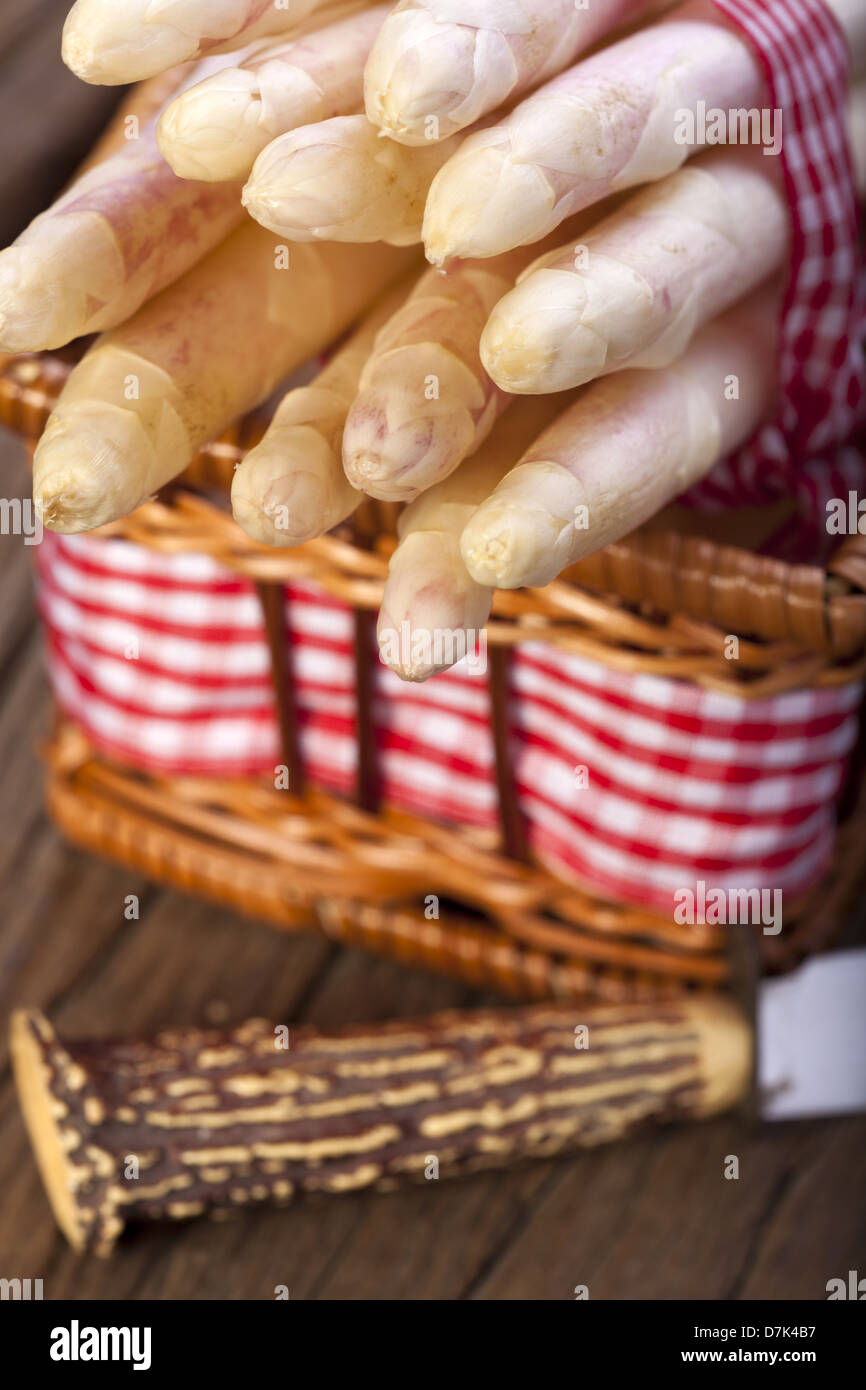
x: 662, y: 601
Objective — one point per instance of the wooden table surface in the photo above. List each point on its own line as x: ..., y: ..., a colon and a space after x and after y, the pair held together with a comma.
x: 653, y: 1219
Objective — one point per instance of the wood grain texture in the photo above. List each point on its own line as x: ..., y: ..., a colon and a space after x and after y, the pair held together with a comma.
x: 48, y: 119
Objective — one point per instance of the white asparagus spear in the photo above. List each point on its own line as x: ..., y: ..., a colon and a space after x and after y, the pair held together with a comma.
x: 340, y: 181
x: 628, y: 446
x: 439, y: 65
x: 217, y: 128
x: 425, y: 401
x: 114, y: 41
x: 291, y: 487
x: 433, y: 610
x: 124, y: 231
x: 608, y: 123
x: 147, y: 396
x: 638, y: 285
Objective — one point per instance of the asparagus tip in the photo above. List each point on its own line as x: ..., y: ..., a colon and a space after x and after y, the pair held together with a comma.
x: 444, y: 244
x: 405, y: 649
x: 273, y: 210
x: 432, y: 612
x: 292, y: 510
x: 254, y: 521
x: 436, y: 253
x: 371, y: 474
x: 513, y: 364
x: 209, y: 132
x: 484, y: 558
x: 61, y: 507
x: 78, y: 55
x: 110, y: 45
x: 254, y: 200
x: 529, y: 528
x: 391, y: 122
x: 32, y: 304
x: 500, y: 544
x: 78, y: 478
x: 486, y: 200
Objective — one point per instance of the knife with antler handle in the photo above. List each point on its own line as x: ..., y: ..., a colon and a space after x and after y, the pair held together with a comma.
x: 197, y: 1120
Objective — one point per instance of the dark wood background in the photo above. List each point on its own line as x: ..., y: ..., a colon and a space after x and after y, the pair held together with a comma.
x: 653, y: 1219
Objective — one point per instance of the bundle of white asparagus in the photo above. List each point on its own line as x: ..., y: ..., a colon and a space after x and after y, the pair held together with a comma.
x: 579, y: 262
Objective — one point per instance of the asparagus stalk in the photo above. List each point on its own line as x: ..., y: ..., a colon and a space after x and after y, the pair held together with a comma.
x: 433, y: 610
x: 124, y: 231
x: 425, y: 401
x: 642, y: 281
x: 147, y: 396
x: 578, y: 139
x: 439, y: 65
x: 114, y: 41
x: 145, y: 102
x: 291, y: 487
x: 216, y: 129
x: 629, y: 445
x: 339, y: 181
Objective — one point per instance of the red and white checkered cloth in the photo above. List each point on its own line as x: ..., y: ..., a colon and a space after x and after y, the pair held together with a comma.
x: 822, y: 379
x: 163, y: 661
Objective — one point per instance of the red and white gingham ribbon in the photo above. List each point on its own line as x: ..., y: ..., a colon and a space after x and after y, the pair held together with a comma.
x: 163, y: 661
x: 822, y: 378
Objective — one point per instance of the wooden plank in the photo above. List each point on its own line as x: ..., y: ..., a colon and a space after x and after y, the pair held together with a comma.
x: 17, y: 611
x: 434, y: 1241
x: 816, y: 1229
x: 658, y: 1220
x: 363, y: 989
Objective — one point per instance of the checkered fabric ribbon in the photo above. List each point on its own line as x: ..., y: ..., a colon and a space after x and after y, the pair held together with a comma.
x: 632, y: 786
x: 805, y: 58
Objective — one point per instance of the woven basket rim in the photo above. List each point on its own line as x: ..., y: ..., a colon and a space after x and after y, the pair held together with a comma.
x: 659, y: 599
x: 538, y: 934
